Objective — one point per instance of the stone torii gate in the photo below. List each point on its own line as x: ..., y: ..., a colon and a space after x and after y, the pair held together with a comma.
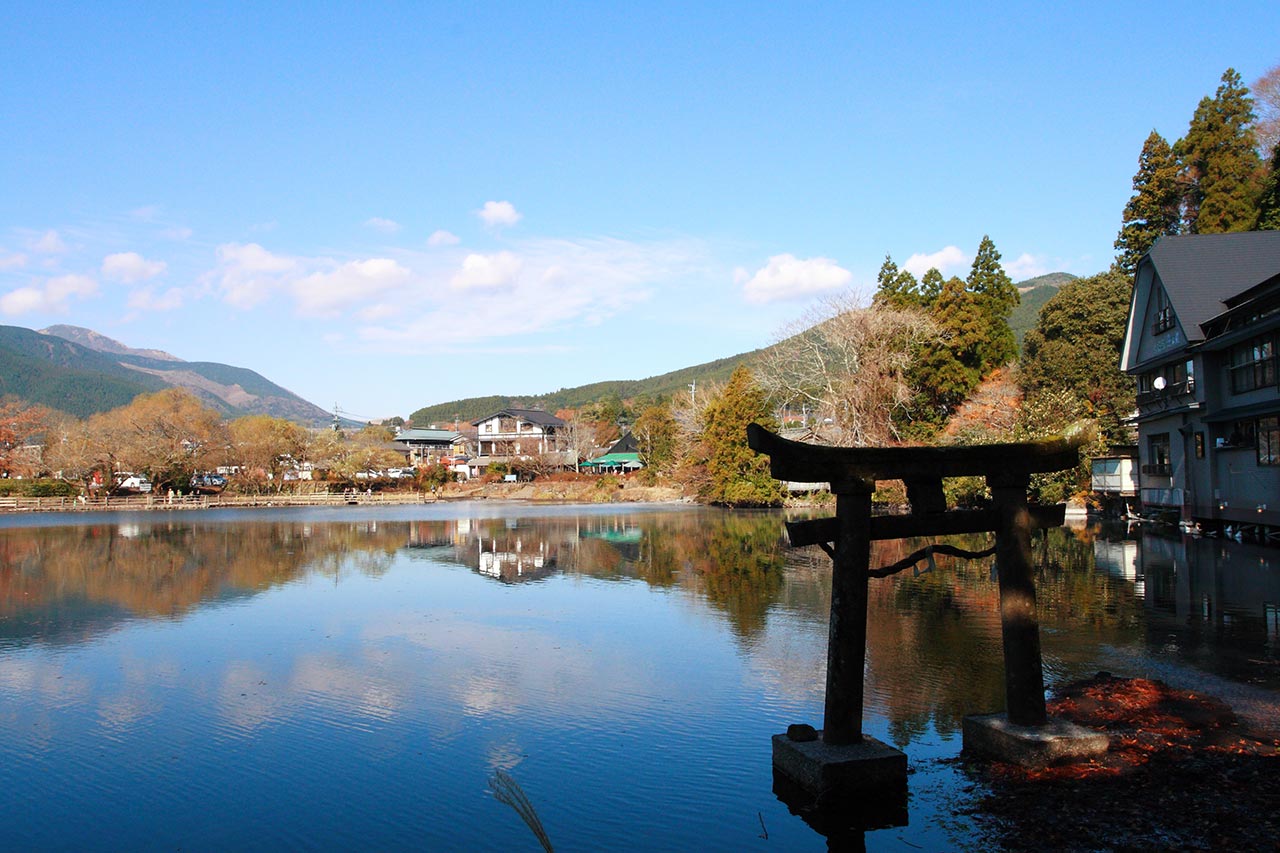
x: 842, y: 755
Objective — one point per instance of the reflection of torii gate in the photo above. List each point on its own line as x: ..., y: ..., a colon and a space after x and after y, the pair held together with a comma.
x: 852, y: 474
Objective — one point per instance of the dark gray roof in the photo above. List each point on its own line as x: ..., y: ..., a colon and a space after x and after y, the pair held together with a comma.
x: 1200, y: 272
x: 533, y: 416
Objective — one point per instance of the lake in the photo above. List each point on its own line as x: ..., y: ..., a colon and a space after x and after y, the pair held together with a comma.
x: 358, y: 678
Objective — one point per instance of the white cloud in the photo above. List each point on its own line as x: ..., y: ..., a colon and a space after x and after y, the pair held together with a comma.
x: 443, y: 238
x: 54, y: 295
x: 947, y: 261
x: 386, y: 226
x: 499, y: 213
x: 544, y: 284
x: 247, y: 274
x: 789, y: 277
x: 48, y: 243
x: 1026, y: 266
x: 130, y: 267
x: 487, y: 272
x: 348, y: 285
x: 147, y: 299
x: 13, y: 261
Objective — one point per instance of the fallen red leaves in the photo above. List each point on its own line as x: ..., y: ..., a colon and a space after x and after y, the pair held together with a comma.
x: 1182, y: 773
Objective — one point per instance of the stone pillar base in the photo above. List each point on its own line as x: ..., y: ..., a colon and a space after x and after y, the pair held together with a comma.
x: 822, y: 769
x: 1056, y: 742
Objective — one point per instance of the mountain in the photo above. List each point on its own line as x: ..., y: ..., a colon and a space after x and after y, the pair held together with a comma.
x: 1035, y: 293
x: 90, y: 339
x: 664, y: 385
x: 80, y: 371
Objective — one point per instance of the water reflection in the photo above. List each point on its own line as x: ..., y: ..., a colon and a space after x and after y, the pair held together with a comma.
x: 596, y: 650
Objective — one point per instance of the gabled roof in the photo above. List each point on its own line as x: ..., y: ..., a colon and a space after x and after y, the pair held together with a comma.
x: 1202, y: 272
x: 626, y: 444
x: 443, y: 436
x: 533, y: 416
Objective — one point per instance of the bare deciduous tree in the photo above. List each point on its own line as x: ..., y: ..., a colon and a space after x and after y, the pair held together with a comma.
x: 850, y: 366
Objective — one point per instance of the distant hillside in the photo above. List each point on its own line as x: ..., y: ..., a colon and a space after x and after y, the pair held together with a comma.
x: 664, y: 385
x: 90, y: 339
x: 81, y: 372
x: 1035, y: 293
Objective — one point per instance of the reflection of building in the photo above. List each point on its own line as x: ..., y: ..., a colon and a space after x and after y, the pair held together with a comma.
x: 510, y: 559
x: 1204, y: 594
x: 1201, y: 342
x: 1119, y: 558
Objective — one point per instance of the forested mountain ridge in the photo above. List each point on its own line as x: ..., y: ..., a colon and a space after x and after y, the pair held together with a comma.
x: 81, y: 372
x: 1036, y: 292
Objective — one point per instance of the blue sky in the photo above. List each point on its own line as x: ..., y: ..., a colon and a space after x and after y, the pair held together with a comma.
x: 391, y: 205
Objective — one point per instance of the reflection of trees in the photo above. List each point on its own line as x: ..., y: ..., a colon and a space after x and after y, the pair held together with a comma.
x: 934, y: 647
x: 737, y: 564
x: 55, y: 578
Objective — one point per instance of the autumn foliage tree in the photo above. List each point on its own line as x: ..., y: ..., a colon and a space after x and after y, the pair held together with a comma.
x: 168, y: 435
x: 20, y: 423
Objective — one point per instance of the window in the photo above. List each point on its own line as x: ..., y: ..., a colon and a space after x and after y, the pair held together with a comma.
x: 1158, y: 458
x: 1162, y: 311
x: 1253, y: 365
x: 1269, y: 440
x: 1199, y: 445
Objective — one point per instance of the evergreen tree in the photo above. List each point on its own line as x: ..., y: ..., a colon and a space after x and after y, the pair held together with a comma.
x: 997, y: 296
x: 1075, y: 349
x: 736, y: 474
x: 1221, y: 166
x: 944, y: 375
x: 930, y: 287
x: 896, y: 288
x: 1154, y: 210
x: 1269, y: 199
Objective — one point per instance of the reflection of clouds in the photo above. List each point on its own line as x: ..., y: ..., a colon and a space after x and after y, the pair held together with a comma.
x: 245, y: 698
x: 504, y: 755
x: 47, y: 680
x: 45, y: 688
x: 509, y: 669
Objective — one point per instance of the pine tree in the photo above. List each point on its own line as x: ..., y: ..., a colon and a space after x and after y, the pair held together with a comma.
x: 1269, y: 199
x: 1154, y: 209
x: 997, y: 296
x: 1221, y: 166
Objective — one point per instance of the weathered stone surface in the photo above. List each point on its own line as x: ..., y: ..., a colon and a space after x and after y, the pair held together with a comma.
x: 821, y: 768
x: 1056, y: 742
x: 801, y: 732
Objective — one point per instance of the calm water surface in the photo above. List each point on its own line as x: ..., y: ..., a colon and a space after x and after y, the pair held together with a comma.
x: 353, y: 678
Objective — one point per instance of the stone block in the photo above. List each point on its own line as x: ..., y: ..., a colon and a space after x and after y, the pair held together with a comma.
x: 1056, y: 742
x: 823, y: 769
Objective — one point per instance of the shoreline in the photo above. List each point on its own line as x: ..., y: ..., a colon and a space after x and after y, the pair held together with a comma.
x: 553, y: 492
